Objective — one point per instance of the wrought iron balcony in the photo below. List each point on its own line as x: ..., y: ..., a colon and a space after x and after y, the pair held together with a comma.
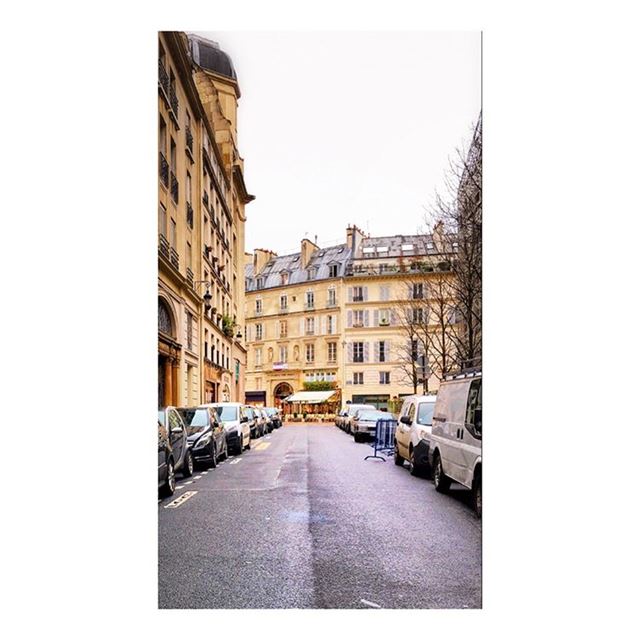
x: 174, y: 187
x: 309, y: 306
x: 164, y: 170
x: 189, y: 140
x: 163, y: 77
x: 164, y: 247
x: 189, y: 215
x: 173, y: 101
x: 205, y: 199
x: 175, y: 258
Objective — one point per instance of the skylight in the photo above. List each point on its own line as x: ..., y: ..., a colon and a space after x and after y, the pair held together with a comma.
x: 382, y: 249
x: 429, y: 245
x: 407, y: 247
x: 368, y: 250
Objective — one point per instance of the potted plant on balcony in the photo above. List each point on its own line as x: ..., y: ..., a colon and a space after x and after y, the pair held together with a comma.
x: 227, y: 326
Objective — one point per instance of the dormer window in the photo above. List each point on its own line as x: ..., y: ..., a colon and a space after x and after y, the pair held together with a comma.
x: 368, y: 250
x: 407, y: 247
x: 311, y: 273
x: 382, y: 249
x: 333, y: 270
x: 284, y: 278
x: 259, y: 283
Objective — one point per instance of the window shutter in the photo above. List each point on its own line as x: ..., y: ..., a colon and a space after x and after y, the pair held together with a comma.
x: 366, y: 352
x: 349, y: 318
x: 366, y: 318
x: 323, y: 326
x: 376, y: 317
x: 350, y: 352
x: 350, y: 294
x: 376, y: 352
x: 393, y: 319
x: 365, y: 293
x: 301, y: 326
x: 386, y: 351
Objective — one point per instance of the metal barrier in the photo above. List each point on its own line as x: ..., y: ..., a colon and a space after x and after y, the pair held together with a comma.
x: 383, y: 441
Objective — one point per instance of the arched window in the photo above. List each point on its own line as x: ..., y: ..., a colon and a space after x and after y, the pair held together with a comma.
x: 165, y: 322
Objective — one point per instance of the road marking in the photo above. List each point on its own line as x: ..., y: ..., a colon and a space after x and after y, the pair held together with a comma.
x: 236, y: 461
x: 180, y: 500
x: 262, y: 446
x: 189, y: 482
x: 197, y: 477
x: 180, y: 486
x: 370, y: 604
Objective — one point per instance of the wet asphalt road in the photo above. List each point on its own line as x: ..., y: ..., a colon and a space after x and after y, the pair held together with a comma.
x: 303, y: 521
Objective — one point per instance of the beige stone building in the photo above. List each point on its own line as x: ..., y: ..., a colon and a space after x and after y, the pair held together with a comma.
x: 201, y: 355
x: 337, y: 314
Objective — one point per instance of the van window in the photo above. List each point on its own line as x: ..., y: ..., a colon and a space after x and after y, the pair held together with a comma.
x: 412, y: 411
x: 425, y: 413
x: 475, y: 400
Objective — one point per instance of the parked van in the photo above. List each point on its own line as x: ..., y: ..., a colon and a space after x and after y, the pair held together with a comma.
x: 413, y: 434
x: 456, y: 436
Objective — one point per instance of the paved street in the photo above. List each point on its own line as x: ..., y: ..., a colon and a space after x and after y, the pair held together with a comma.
x: 302, y: 521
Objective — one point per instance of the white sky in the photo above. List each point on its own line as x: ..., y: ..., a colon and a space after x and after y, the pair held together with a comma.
x: 348, y: 127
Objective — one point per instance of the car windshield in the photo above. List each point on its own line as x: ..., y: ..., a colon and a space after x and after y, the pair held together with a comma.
x: 195, y: 419
x: 372, y: 415
x: 425, y: 413
x: 271, y: 412
x: 353, y: 410
x: 161, y: 418
x: 227, y: 414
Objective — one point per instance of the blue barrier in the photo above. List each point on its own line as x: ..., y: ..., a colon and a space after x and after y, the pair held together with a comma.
x: 383, y: 441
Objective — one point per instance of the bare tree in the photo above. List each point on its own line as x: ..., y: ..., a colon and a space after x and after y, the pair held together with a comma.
x: 455, y: 221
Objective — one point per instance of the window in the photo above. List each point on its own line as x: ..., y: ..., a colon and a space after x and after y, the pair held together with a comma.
x: 162, y: 220
x: 259, y: 332
x: 358, y: 377
x: 311, y: 273
x: 358, y: 318
x: 283, y: 354
x: 358, y: 351
x: 172, y: 156
x: 384, y: 293
x: 189, y: 255
x: 309, y: 300
x: 331, y: 325
x: 417, y: 291
x: 310, y: 352
x: 162, y: 136
x: 283, y: 303
x: 173, y: 234
x: 358, y: 294
x: 258, y: 307
x: 383, y: 317
x: 425, y: 413
x: 385, y: 377
x: 407, y: 247
x: 414, y: 350
x: 333, y: 270
x: 258, y: 357
x: 284, y: 278
x: 259, y: 283
x: 331, y: 298
x: 283, y: 328
x: 417, y: 316
x: 332, y: 351
x: 189, y: 331
x: 188, y: 194
x: 382, y: 352
x: 310, y: 326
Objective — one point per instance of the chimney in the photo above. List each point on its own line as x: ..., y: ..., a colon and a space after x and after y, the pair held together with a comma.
x: 306, y: 251
x: 354, y: 237
x: 260, y: 259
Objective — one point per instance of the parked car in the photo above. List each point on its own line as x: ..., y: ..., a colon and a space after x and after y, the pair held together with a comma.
x: 236, y: 420
x: 260, y: 422
x: 456, y: 436
x: 166, y: 463
x: 275, y: 417
x: 173, y: 450
x: 206, y: 436
x: 364, y: 422
x: 349, y: 412
x: 268, y: 427
x: 413, y: 433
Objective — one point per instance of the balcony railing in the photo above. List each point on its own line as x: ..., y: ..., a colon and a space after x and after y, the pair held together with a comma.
x: 309, y: 306
x: 174, y: 187
x: 189, y: 139
x: 205, y: 199
x: 164, y: 170
x: 331, y: 305
x: 164, y: 247
x: 189, y: 215
x: 190, y: 277
x: 163, y: 77
x: 309, y: 332
x: 173, y: 101
x: 284, y: 309
x: 175, y: 259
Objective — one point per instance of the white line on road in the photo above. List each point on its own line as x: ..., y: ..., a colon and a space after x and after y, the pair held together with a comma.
x: 189, y: 482
x: 180, y: 486
x: 370, y: 604
x: 180, y: 500
x: 197, y: 477
x: 236, y: 461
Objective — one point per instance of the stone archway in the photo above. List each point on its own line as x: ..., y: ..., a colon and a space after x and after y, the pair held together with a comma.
x: 169, y: 351
x: 282, y: 391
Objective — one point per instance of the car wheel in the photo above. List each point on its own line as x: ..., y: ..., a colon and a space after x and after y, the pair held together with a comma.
x: 248, y: 445
x: 187, y: 466
x: 225, y: 455
x: 357, y: 437
x: 477, y: 497
x: 440, y: 481
x: 414, y: 469
x: 169, y: 486
x: 397, y: 458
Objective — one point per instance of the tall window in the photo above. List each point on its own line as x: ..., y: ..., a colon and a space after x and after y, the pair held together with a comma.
x: 162, y: 137
x: 331, y: 298
x: 173, y: 234
x: 189, y: 255
x: 259, y: 332
x: 381, y: 351
x: 331, y: 326
x: 358, y: 351
x: 417, y: 292
x: 258, y: 306
x: 358, y: 294
x: 309, y: 300
x: 283, y: 303
x: 310, y: 352
x: 258, y: 357
x: 188, y: 195
x: 172, y: 156
x: 283, y: 328
x: 384, y: 292
x: 189, y: 331
x: 358, y: 377
x: 333, y: 270
x: 385, y: 377
x: 332, y: 350
x: 309, y: 326
x: 283, y: 354
x: 418, y: 316
x: 358, y: 318
x: 162, y: 220
x: 259, y: 283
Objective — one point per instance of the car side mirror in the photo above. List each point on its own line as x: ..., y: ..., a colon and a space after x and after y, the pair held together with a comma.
x: 244, y: 419
x: 405, y: 420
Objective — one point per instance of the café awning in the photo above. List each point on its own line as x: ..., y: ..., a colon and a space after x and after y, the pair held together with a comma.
x: 310, y: 397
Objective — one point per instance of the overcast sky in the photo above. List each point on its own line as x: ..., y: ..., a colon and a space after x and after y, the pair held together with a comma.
x: 348, y: 127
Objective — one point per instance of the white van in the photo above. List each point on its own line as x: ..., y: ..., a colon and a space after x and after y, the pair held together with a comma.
x: 413, y: 434
x: 456, y: 436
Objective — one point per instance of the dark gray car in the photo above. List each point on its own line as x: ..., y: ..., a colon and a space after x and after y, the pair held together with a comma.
x: 173, y: 450
x: 206, y: 436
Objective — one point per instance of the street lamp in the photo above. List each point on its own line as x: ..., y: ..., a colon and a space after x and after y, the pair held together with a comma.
x: 207, y: 294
